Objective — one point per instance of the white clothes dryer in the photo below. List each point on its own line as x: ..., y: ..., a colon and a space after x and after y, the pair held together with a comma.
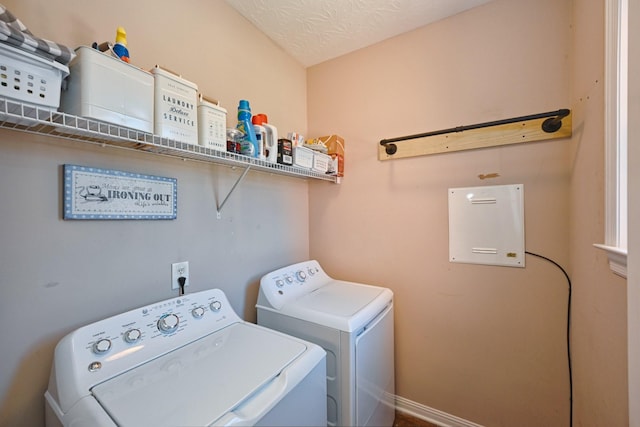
x: 354, y: 324
x: 186, y: 361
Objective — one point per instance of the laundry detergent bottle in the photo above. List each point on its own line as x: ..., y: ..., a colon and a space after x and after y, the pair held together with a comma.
x: 270, y: 141
x: 249, y: 145
x: 259, y: 126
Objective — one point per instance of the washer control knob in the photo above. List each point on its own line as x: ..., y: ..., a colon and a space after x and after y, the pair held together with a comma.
x: 311, y: 271
x: 301, y: 276
x: 132, y: 336
x: 198, y: 312
x: 279, y: 283
x: 215, y: 305
x: 102, y: 346
x: 289, y: 279
x: 168, y: 323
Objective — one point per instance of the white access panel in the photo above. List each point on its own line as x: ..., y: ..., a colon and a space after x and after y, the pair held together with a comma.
x: 486, y: 225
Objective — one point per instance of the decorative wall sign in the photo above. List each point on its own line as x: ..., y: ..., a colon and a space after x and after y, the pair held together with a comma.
x: 92, y: 193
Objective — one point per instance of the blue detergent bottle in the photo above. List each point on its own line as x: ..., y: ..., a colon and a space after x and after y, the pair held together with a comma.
x: 249, y: 146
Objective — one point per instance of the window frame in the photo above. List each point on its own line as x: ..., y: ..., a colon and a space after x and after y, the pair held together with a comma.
x: 616, y: 88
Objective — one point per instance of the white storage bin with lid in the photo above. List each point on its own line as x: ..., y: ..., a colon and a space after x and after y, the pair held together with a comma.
x: 30, y: 79
x: 212, y: 124
x: 176, y: 101
x: 106, y: 88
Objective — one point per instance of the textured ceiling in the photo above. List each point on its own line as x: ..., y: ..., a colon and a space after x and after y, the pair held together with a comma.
x: 313, y: 31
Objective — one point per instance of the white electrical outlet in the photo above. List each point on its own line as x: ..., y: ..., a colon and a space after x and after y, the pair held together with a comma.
x: 179, y: 269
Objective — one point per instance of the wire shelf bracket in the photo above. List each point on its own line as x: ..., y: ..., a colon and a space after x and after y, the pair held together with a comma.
x: 219, y: 208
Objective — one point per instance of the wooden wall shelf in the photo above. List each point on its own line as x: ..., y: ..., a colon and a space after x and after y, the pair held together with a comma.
x: 519, y: 130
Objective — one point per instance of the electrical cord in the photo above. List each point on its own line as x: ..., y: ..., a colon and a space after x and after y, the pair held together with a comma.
x: 181, y: 281
x: 568, y: 332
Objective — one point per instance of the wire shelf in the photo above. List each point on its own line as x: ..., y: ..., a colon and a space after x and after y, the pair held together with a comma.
x: 43, y: 121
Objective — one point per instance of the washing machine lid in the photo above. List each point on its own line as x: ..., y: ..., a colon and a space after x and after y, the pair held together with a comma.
x: 340, y: 305
x: 201, y: 382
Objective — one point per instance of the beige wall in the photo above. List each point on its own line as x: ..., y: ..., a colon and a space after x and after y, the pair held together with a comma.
x: 483, y: 343
x: 633, y: 294
x: 599, y: 314
x: 57, y: 275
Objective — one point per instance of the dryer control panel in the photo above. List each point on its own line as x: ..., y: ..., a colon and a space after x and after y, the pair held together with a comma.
x: 290, y: 283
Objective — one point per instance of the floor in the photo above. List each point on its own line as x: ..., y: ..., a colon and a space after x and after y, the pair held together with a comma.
x: 403, y: 420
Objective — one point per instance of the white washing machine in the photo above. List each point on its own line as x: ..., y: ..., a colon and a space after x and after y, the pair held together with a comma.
x: 186, y: 361
x: 353, y: 322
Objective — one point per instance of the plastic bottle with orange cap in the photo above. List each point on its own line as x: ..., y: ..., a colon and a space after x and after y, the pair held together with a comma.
x: 269, y: 135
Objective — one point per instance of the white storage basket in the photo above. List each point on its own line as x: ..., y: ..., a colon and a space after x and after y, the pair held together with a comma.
x: 321, y: 162
x: 30, y: 79
x: 302, y: 157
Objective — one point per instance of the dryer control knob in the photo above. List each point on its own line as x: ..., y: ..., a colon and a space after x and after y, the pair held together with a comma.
x: 301, y: 276
x: 132, y: 336
x: 279, y: 283
x: 198, y: 312
x: 215, y: 306
x: 102, y: 346
x: 168, y: 323
x: 311, y: 271
x: 289, y: 279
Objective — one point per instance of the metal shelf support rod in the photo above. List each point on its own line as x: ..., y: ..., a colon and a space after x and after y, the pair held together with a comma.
x: 219, y: 208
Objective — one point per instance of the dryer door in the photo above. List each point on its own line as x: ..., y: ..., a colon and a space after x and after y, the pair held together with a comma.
x: 374, y: 372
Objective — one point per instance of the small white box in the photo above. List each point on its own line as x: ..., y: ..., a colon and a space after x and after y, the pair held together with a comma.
x: 321, y: 162
x: 212, y: 124
x: 176, y: 102
x: 302, y: 157
x: 106, y: 88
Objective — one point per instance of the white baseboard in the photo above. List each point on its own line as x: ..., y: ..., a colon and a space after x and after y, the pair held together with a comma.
x: 432, y: 415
